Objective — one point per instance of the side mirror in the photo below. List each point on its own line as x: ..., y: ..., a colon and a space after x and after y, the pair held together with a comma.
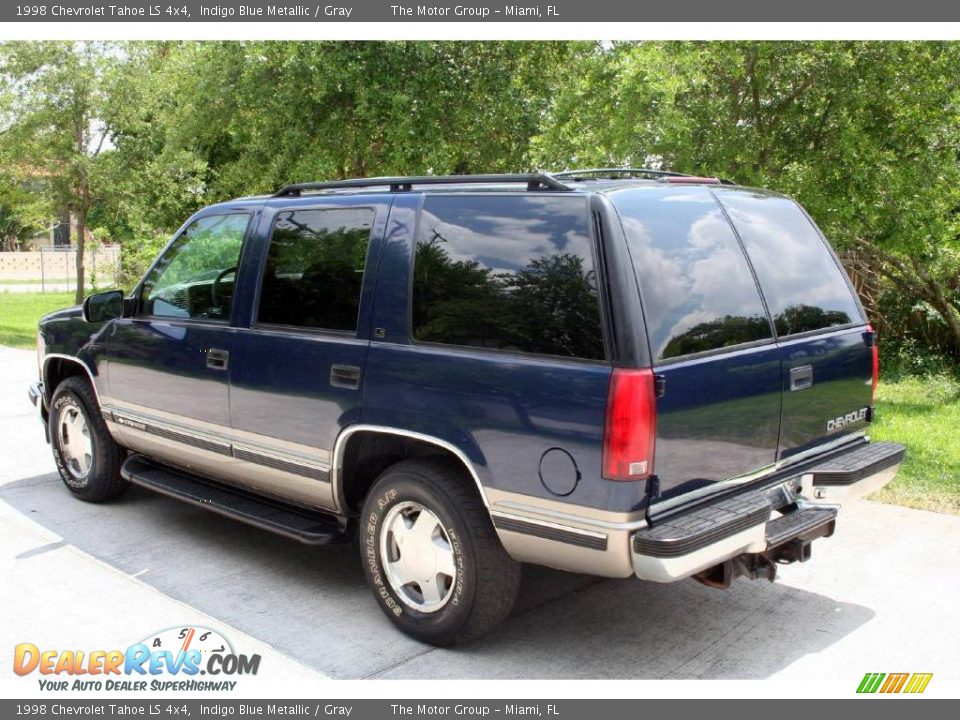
x: 103, y: 306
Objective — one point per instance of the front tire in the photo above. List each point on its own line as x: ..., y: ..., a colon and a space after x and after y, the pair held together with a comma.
x: 432, y: 556
x: 86, y: 455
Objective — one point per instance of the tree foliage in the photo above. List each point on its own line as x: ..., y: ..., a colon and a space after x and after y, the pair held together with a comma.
x: 864, y: 134
x: 135, y: 136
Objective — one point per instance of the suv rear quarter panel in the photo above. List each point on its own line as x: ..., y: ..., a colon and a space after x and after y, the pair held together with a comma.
x: 503, y: 410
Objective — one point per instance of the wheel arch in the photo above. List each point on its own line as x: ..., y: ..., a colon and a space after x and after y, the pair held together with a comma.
x: 349, y: 481
x: 58, y: 367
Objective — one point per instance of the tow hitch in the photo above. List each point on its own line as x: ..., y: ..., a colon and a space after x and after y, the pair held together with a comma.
x: 758, y: 566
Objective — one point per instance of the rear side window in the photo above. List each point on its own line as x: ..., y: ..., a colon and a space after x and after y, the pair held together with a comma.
x: 314, y: 269
x: 804, y: 287
x: 507, y: 273
x: 698, y: 291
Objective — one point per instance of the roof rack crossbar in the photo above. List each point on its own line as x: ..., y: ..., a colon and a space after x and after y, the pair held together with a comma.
x: 617, y: 171
x: 534, y: 181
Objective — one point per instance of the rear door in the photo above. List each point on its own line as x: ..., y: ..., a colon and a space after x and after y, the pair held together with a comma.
x: 710, y: 338
x: 296, y: 371
x: 824, y: 346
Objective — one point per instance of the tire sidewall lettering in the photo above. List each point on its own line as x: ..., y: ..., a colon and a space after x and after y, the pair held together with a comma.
x: 371, y: 529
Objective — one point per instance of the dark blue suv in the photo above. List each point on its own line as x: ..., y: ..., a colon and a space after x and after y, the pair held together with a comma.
x: 614, y: 372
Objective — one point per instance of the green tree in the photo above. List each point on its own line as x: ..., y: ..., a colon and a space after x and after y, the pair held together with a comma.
x: 864, y: 134
x: 51, y: 100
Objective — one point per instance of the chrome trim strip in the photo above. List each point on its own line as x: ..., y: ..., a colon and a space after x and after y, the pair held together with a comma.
x: 153, y: 426
x: 72, y: 358
x: 183, y: 437
x: 283, y: 464
x: 220, y: 444
x: 336, y: 467
x: 546, y: 532
x: 528, y: 510
x: 550, y: 525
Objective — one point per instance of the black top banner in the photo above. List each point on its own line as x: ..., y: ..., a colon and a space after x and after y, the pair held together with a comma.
x: 578, y: 11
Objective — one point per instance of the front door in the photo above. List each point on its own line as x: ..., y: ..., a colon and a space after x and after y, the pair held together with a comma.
x: 296, y: 371
x: 168, y: 365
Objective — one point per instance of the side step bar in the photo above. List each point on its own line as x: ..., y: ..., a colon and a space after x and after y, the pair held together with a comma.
x: 307, y: 526
x: 688, y: 541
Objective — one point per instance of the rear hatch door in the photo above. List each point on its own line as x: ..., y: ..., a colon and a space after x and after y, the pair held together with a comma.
x: 823, y: 340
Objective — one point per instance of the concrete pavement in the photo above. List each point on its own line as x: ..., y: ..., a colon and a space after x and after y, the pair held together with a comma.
x: 878, y: 596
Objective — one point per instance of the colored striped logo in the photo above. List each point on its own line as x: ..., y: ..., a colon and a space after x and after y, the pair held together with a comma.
x: 894, y: 682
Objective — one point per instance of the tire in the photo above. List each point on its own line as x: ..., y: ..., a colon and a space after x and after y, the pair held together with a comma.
x: 76, y: 425
x: 482, y: 591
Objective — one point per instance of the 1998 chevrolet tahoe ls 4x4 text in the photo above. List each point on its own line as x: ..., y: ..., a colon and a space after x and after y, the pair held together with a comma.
x: 617, y: 372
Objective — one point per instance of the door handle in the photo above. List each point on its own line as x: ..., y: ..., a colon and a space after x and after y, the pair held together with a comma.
x: 217, y: 359
x: 345, y: 376
x: 801, y: 377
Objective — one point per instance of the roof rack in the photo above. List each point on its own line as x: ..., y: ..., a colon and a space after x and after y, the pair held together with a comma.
x: 661, y: 175
x: 534, y: 181
x: 602, y: 172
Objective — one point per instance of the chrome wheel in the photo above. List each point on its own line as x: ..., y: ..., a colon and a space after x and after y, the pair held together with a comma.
x: 418, y: 557
x: 76, y: 445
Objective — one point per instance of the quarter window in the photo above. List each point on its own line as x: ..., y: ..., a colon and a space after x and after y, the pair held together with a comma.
x: 195, y: 277
x: 314, y: 269
x: 698, y: 291
x: 507, y: 273
x: 804, y: 287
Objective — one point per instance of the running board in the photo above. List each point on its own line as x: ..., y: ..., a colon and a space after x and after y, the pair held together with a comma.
x: 307, y: 526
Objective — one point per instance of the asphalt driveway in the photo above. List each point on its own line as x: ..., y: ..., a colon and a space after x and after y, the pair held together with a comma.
x: 879, y: 595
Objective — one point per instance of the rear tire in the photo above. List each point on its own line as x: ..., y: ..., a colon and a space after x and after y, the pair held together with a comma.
x: 455, y: 582
x: 86, y: 455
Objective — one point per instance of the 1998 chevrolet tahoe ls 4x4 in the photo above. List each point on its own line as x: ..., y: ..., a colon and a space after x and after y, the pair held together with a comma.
x: 614, y: 372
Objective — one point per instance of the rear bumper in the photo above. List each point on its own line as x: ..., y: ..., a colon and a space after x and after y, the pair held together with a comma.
x: 777, y: 517
x: 777, y: 522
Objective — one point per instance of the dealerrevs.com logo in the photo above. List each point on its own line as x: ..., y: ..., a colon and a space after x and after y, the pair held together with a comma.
x: 179, y: 659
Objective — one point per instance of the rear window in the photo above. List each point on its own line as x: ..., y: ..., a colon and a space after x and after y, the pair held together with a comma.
x: 804, y: 287
x: 507, y: 273
x: 314, y: 270
x: 698, y: 291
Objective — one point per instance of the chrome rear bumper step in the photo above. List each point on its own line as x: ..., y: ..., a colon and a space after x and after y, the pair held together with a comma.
x: 805, y: 525
x: 307, y: 526
x: 854, y: 466
x: 774, y: 523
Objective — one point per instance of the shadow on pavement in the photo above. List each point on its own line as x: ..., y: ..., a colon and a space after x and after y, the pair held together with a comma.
x: 313, y: 603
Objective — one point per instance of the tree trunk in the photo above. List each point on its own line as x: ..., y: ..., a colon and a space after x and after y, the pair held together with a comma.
x: 81, y: 244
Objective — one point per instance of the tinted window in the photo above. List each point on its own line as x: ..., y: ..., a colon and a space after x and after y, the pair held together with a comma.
x: 314, y: 269
x: 698, y: 291
x: 803, y: 286
x: 195, y: 276
x: 510, y: 273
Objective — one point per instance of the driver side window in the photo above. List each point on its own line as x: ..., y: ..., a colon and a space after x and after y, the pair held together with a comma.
x: 195, y: 277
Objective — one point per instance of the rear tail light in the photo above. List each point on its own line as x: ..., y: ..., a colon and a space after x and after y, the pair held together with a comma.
x: 631, y: 427
x: 875, y: 352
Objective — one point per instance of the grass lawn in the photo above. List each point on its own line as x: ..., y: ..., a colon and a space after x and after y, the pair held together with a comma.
x: 924, y: 415
x: 19, y: 313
